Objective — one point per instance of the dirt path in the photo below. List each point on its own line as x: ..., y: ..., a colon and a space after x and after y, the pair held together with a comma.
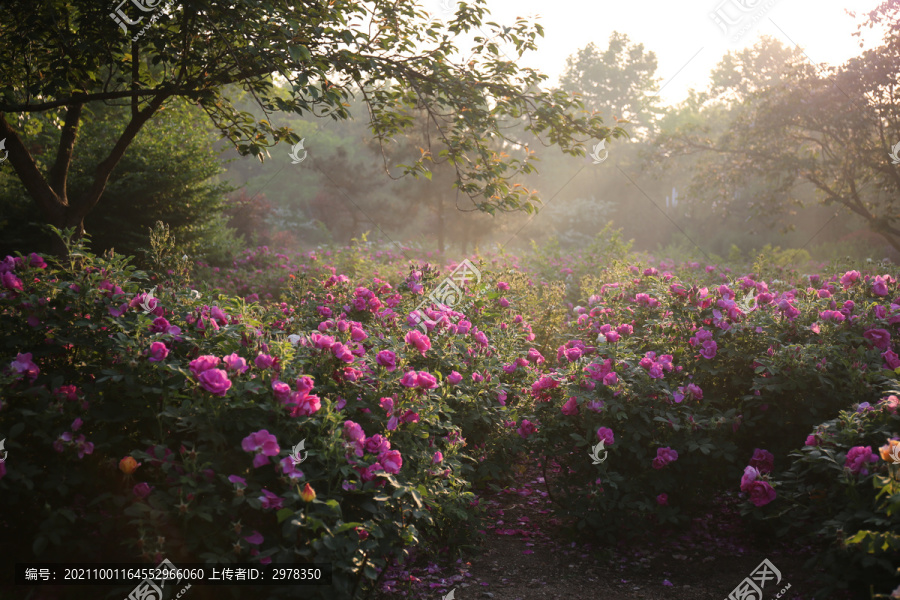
x: 527, y: 557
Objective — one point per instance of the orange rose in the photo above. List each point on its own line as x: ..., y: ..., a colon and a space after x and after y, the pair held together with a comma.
x: 888, y: 453
x: 308, y: 494
x: 128, y: 465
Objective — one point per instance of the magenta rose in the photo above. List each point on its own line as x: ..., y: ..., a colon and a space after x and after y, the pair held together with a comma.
x: 264, y: 361
x: 709, y: 349
x: 849, y: 278
x: 387, y: 359
x: 891, y: 360
x: 391, y: 461
x: 606, y: 434
x: 527, y: 428
x: 454, y: 378
x: 263, y: 444
x: 342, y: 352
x: 215, y: 381
x: 762, y: 460
x: 761, y: 493
x: 305, y: 405
x: 203, y: 363
x: 535, y: 356
x: 419, y: 340
x: 410, y: 379
x: 142, y: 490
x: 880, y: 338
x: 353, y: 432
x: 270, y: 500
x: 157, y: 352
x: 377, y: 444
x: 664, y: 456
x: 570, y: 408
x: 662, y: 499
x: 23, y: 365
x: 750, y: 475
x: 858, y: 457
x: 426, y: 381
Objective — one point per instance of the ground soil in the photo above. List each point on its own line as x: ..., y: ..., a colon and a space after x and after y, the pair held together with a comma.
x: 528, y: 554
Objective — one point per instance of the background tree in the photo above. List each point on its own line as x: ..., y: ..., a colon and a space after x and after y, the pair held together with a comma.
x: 169, y: 173
x: 800, y: 135
x: 64, y: 56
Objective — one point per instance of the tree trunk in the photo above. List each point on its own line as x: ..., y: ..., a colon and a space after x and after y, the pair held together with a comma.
x: 440, y: 224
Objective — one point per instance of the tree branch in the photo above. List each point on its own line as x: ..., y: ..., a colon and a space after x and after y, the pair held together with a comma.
x: 60, y: 170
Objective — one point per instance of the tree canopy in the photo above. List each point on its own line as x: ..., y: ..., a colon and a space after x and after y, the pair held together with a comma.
x: 62, y: 57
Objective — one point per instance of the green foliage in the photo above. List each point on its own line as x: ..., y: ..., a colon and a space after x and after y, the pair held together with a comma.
x: 857, y: 516
x: 169, y: 174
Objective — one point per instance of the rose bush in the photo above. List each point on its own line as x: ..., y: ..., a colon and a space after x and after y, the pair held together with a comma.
x: 152, y: 420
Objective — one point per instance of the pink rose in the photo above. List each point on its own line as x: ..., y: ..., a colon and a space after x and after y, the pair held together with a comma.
x: 23, y: 365
x: 157, y: 352
x: 203, y: 363
x: 880, y: 338
x: 849, y: 278
x: 606, y: 434
x: 342, y: 352
x: 570, y: 408
x: 762, y: 460
x: 664, y: 456
x: 761, y: 493
x: 454, y: 378
x: 662, y: 499
x: 527, y: 428
x: 142, y: 490
x: 709, y: 349
x: 419, y: 340
x: 391, y: 461
x: 535, y: 356
x: 858, y: 457
x: 215, y: 381
x: 304, y: 405
x: 410, y: 379
x: 426, y: 381
x: 265, y: 361
x: 387, y: 359
x: 353, y: 432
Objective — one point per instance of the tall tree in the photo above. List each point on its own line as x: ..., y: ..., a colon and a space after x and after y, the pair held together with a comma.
x: 619, y: 80
x: 62, y: 56
x: 830, y: 131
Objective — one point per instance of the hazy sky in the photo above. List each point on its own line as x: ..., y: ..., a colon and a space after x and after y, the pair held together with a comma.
x: 679, y: 30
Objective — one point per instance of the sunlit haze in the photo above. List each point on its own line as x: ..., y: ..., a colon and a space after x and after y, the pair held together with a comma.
x: 686, y: 40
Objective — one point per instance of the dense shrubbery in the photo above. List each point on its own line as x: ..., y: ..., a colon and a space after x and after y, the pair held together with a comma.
x: 149, y: 427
